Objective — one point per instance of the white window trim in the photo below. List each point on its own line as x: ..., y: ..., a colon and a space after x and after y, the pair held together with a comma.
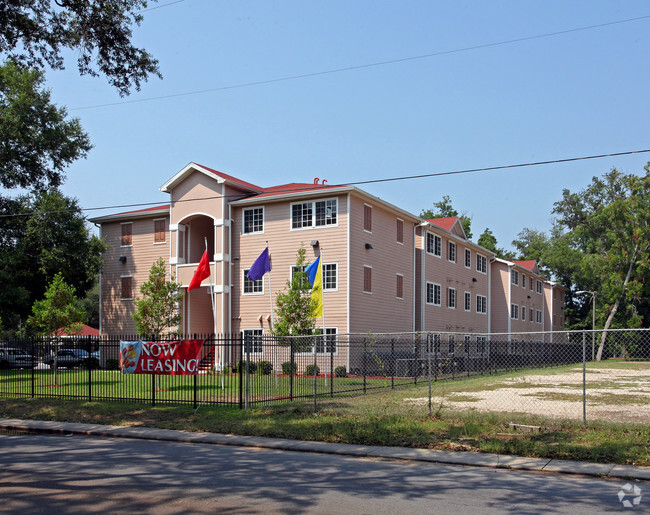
x: 449, y: 289
x: 337, y: 276
x: 363, y: 280
x: 482, y: 303
x: 400, y: 242
x: 243, y: 217
x: 126, y: 223
x: 514, y: 277
x: 451, y: 244
x: 465, y: 297
x: 243, y: 279
x: 154, y: 232
x: 434, y: 294
x: 364, y: 218
x: 426, y: 246
x: 468, y: 251
x: 313, y: 215
x: 261, y: 353
x: 325, y: 353
x: 516, y: 311
x: 484, y: 259
x: 402, y: 276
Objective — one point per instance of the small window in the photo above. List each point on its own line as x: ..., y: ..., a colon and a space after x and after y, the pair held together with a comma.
x: 252, y: 287
x: 253, y: 220
x: 126, y: 287
x: 480, y: 344
x: 253, y: 337
x: 523, y: 280
x: 514, y: 277
x: 127, y: 234
x: 523, y: 313
x: 531, y: 284
x: 481, y: 264
x: 367, y: 279
x: 468, y: 301
x: 327, y: 345
x: 304, y: 280
x: 433, y: 294
x: 468, y: 258
x: 330, y: 276
x: 539, y: 286
x: 367, y: 218
x: 481, y: 304
x: 400, y: 286
x: 539, y: 316
x: 514, y: 311
x: 159, y: 233
x: 400, y: 231
x: 452, y: 252
x: 531, y: 314
x: 451, y: 298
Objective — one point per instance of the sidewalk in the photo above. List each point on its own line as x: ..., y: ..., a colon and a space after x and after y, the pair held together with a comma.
x: 400, y: 453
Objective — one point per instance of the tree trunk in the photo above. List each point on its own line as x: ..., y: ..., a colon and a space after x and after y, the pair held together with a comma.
x: 614, y: 309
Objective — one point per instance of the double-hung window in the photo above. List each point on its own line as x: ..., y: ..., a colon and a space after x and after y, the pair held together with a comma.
x: 253, y: 220
x: 514, y: 311
x: 452, y: 252
x: 514, y: 277
x: 468, y: 258
x: 253, y: 341
x: 481, y: 304
x: 539, y: 286
x: 433, y: 294
x: 468, y: 301
x: 127, y: 234
x: 320, y: 213
x: 252, y: 287
x: 451, y: 298
x: 434, y: 244
x: 481, y: 264
x: 330, y: 276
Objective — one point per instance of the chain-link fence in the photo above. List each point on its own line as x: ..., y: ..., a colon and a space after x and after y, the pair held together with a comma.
x: 548, y: 374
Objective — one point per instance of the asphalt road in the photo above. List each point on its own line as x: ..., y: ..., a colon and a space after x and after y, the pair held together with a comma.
x: 74, y: 474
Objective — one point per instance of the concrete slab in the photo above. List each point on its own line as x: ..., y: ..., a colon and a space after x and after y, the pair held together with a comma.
x: 521, y: 463
x: 578, y: 467
x: 630, y: 472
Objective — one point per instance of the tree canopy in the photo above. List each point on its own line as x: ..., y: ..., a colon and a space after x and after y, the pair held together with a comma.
x: 36, y: 33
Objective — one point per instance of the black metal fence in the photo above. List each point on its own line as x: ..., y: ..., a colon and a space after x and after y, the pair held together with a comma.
x: 248, y: 369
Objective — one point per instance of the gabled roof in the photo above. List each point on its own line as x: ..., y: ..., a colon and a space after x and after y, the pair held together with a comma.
x: 85, y: 330
x: 140, y: 213
x: 451, y: 224
x: 214, y: 174
x: 530, y: 264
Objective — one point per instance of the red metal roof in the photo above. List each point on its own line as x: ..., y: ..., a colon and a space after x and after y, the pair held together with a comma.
x: 528, y: 264
x: 86, y: 330
x: 232, y: 179
x: 293, y: 187
x: 446, y: 223
x: 146, y: 210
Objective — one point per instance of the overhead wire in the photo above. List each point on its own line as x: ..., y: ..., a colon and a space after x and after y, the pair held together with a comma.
x: 353, y: 183
x: 361, y: 66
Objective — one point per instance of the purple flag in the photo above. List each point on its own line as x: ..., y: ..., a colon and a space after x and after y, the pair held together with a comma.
x: 260, y: 267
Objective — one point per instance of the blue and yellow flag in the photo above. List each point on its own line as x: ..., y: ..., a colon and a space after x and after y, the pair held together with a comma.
x: 315, y: 274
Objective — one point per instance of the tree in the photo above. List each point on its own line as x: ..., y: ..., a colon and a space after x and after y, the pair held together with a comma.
x: 488, y: 240
x: 294, y: 307
x: 608, y: 223
x: 46, y: 235
x: 37, y: 142
x: 157, y: 311
x: 37, y: 32
x: 444, y: 209
x: 57, y: 313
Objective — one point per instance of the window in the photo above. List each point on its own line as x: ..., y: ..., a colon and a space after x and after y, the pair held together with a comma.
x: 531, y: 284
x: 320, y: 213
x: 434, y: 244
x: 451, y: 298
x: 253, y: 341
x: 514, y: 311
x: 539, y: 316
x: 452, y: 344
x: 452, y: 252
x: 468, y: 258
x: 159, y: 233
x: 539, y: 286
x: 523, y: 313
x: 367, y: 218
x: 330, y: 276
x: 126, y: 292
x: 481, y: 264
x: 400, y: 231
x: 514, y: 277
x: 433, y: 343
x: 367, y: 279
x: 468, y: 301
x: 480, y: 344
x: 252, y: 287
x: 253, y: 220
x: 304, y: 280
x: 532, y: 312
x: 127, y: 234
x: 400, y: 286
x: 481, y: 304
x: 433, y: 294
x: 523, y: 280
x: 327, y: 345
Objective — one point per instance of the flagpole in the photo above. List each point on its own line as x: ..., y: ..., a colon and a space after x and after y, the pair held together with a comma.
x: 275, y: 347
x: 214, y: 313
x: 322, y: 295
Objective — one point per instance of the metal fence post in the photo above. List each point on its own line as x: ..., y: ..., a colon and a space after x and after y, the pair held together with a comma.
x: 90, y: 367
x: 247, y: 344
x: 241, y: 371
x: 584, y: 379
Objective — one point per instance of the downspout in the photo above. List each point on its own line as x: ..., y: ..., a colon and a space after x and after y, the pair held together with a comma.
x: 348, y: 281
x: 223, y: 252
x: 489, y: 292
x: 101, y: 321
x: 230, y: 269
x: 415, y: 228
x: 423, y: 293
x: 509, y: 306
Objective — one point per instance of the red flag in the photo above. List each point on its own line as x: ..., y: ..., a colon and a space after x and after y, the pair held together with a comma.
x: 202, y: 271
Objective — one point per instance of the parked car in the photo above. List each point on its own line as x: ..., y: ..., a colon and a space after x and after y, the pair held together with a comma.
x: 11, y: 357
x: 68, y: 358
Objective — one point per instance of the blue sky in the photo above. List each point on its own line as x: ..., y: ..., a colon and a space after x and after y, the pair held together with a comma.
x: 574, y: 94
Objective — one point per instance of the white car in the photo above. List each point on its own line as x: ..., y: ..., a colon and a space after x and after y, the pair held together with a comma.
x: 11, y: 357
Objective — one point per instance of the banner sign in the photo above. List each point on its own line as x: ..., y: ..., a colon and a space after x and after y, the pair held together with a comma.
x: 163, y: 358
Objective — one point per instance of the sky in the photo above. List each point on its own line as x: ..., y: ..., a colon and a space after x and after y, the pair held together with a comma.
x: 274, y: 92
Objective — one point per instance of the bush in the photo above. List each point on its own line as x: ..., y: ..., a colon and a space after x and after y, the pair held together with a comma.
x: 264, y: 368
x: 241, y: 367
x: 309, y: 371
x: 287, y: 367
x: 340, y: 371
x: 112, y: 364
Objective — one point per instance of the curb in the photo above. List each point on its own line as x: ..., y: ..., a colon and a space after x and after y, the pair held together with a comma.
x: 399, y: 453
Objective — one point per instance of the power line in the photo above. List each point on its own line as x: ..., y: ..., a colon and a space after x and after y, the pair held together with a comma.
x: 361, y: 66
x: 161, y: 6
x: 356, y: 183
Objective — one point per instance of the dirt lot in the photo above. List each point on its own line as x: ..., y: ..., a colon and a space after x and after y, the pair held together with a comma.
x: 613, y: 394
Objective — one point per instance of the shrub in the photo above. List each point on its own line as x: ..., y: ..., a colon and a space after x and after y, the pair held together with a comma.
x: 241, y: 367
x: 288, y: 368
x: 309, y: 371
x: 112, y: 364
x: 340, y: 371
x: 264, y: 368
